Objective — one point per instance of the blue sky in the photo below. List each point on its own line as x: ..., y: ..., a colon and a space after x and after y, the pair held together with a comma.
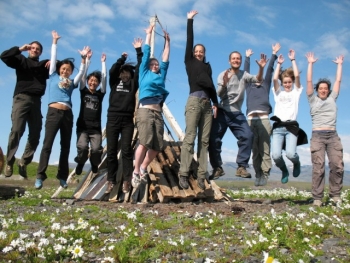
x: 222, y: 26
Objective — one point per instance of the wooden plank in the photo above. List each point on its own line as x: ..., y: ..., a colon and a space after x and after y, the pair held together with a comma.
x: 161, y: 180
x: 199, y: 193
x: 96, y: 187
x: 217, y: 192
x: 152, y: 193
x: 154, y: 180
x: 91, y: 186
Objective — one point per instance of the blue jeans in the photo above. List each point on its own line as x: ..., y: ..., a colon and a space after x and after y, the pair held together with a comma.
x: 239, y: 127
x: 280, y: 136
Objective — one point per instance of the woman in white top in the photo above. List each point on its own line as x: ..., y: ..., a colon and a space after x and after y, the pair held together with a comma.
x: 286, y: 128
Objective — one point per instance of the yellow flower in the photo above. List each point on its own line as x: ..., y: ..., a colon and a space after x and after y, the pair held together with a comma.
x: 268, y: 259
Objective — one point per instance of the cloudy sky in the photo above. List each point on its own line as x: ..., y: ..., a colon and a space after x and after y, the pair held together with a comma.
x: 222, y: 26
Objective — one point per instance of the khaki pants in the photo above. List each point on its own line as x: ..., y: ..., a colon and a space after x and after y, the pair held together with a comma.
x: 198, y: 115
x: 326, y: 142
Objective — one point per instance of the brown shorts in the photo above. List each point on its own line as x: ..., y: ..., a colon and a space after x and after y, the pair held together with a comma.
x: 150, y: 125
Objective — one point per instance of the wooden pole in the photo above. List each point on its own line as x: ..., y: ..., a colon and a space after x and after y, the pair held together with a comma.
x: 152, y: 21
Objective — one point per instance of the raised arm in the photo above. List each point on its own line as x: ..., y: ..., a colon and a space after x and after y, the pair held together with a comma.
x: 166, y: 52
x: 311, y: 60
x: 103, y: 73
x: 261, y: 63
x: 83, y: 54
x: 55, y: 38
x: 87, y: 64
x: 276, y: 84
x: 114, y: 70
x: 339, y: 61
x: 190, y: 36
x: 137, y: 45
x: 248, y: 53
x: 269, y: 70
x: 291, y: 56
x: 148, y: 34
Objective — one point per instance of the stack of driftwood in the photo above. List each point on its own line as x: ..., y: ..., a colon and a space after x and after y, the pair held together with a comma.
x: 163, y: 182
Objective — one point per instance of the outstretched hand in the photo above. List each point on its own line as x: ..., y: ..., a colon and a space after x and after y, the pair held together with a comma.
x: 137, y: 42
x: 248, y: 53
x: 280, y: 59
x: 89, y: 54
x: 276, y: 48
x: 166, y: 36
x: 55, y: 35
x: 310, y: 57
x: 263, y: 61
x: 339, y: 60
x: 124, y: 54
x: 103, y: 57
x: 291, y: 54
x: 191, y: 14
x: 85, y: 51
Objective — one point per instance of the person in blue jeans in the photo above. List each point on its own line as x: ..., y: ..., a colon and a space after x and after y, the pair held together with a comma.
x: 59, y: 115
x: 231, y: 87
x: 285, y: 129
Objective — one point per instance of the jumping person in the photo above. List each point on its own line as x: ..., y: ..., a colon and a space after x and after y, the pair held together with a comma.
x: 124, y: 83
x: 231, y: 88
x: 26, y: 108
x: 258, y: 110
x: 198, y: 111
x: 149, y: 119
x: 325, y: 139
x: 285, y: 129
x: 59, y: 115
x: 89, y: 120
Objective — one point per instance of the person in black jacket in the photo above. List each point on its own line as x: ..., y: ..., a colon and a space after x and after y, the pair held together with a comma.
x: 123, y: 80
x: 198, y: 110
x: 26, y: 108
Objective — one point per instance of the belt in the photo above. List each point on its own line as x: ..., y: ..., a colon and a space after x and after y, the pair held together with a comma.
x: 29, y: 94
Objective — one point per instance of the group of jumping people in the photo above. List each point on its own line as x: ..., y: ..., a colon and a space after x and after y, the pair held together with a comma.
x: 207, y: 119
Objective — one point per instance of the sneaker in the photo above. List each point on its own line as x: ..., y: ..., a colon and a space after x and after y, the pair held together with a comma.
x: 9, y: 170
x: 201, y: 183
x: 257, y: 180
x: 38, y: 183
x: 263, y: 179
x: 135, y: 181
x: 22, y: 169
x: 335, y: 200
x: 79, y: 169
x: 296, y: 169
x: 217, y: 172
x: 242, y: 172
x: 143, y: 176
x: 183, y: 182
x: 126, y: 187
x: 285, y: 174
x: 317, y: 203
x: 110, y: 187
x: 63, y: 183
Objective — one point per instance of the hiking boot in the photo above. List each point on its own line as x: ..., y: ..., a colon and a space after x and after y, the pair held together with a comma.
x: 110, y: 187
x: 126, y: 187
x: 217, y: 172
x: 135, y: 181
x: 317, y: 203
x: 285, y: 174
x: 8, y: 170
x: 94, y: 169
x: 79, y: 169
x: 201, y: 183
x: 183, y: 182
x: 242, y: 172
x: 22, y: 169
x: 336, y: 200
x: 296, y: 169
x: 263, y: 179
x: 143, y: 176
x: 38, y: 183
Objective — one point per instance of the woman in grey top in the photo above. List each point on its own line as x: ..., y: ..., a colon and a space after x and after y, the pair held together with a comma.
x: 325, y: 139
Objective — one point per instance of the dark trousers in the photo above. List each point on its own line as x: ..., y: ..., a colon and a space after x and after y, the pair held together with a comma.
x: 83, y: 141
x: 239, y: 127
x: 123, y: 126
x: 56, y: 120
x: 26, y: 109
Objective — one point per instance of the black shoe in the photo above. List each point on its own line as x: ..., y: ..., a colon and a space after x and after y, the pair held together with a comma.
x: 94, y: 169
x: 110, y: 187
x: 79, y: 169
x: 201, y: 183
x: 22, y: 169
x: 9, y: 170
x: 183, y: 182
